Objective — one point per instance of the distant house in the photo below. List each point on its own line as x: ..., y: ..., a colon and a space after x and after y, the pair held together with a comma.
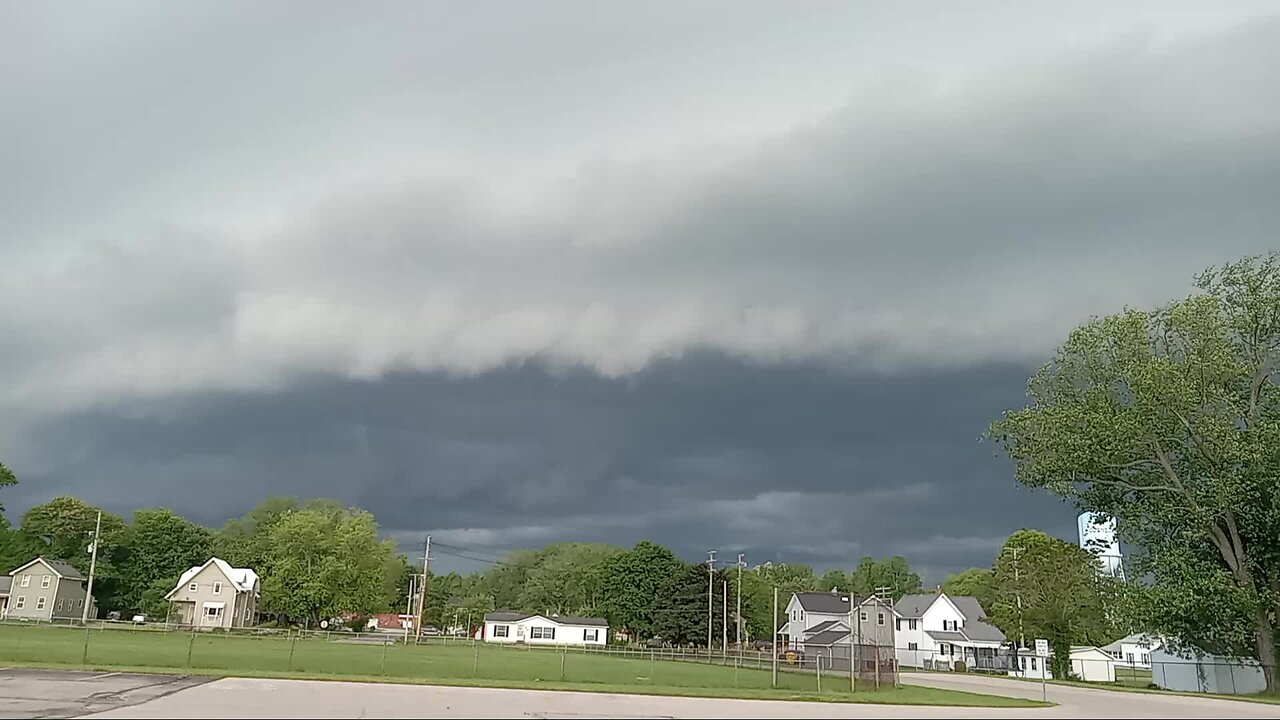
x: 5, y: 583
x: 48, y: 590
x: 1093, y: 664
x: 533, y: 629
x: 216, y: 595
x: 936, y: 630
x: 810, y: 614
x: 1134, y: 651
x: 1198, y: 671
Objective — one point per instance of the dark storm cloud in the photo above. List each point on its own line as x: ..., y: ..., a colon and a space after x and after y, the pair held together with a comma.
x: 795, y: 463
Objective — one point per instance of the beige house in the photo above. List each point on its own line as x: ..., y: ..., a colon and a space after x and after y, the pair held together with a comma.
x: 48, y: 590
x: 216, y: 595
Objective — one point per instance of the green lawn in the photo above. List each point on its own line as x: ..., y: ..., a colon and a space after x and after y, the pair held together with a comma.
x: 464, y: 664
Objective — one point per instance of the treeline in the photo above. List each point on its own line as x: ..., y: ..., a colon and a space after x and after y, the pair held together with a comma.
x: 319, y: 560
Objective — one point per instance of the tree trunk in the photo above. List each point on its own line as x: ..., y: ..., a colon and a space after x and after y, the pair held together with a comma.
x: 1266, y: 648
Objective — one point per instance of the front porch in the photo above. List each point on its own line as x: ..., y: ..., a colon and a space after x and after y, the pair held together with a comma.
x: 206, y: 614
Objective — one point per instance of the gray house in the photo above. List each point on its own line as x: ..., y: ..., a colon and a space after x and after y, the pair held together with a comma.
x: 5, y: 583
x: 216, y: 595
x: 48, y: 590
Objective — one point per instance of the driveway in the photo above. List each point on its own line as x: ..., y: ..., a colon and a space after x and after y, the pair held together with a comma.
x: 1074, y: 701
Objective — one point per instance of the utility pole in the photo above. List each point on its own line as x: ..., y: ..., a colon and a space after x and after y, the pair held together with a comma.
x: 408, y: 605
x: 853, y: 669
x: 724, y: 625
x: 93, y: 567
x: 422, y: 590
x: 774, y: 640
x: 737, y: 638
x: 711, y: 591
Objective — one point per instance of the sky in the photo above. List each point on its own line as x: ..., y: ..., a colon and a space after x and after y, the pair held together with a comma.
x: 751, y: 276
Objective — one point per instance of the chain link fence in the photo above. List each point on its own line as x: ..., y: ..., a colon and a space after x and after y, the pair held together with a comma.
x: 395, y: 655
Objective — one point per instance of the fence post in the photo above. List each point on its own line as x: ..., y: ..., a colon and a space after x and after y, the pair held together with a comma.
x: 383, y: 667
x: 562, y: 654
x: 475, y: 660
x: 652, y: 667
x: 191, y: 646
x: 293, y: 641
x: 818, y: 664
x: 84, y: 658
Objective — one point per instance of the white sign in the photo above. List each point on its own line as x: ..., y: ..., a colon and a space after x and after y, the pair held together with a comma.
x: 1042, y: 647
x: 1098, y: 534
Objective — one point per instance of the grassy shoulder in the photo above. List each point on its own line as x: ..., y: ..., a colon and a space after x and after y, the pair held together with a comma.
x: 902, y: 695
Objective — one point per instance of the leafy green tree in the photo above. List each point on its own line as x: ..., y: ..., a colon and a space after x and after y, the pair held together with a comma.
x: 893, y: 573
x: 1043, y: 587
x: 681, y: 610
x: 1169, y: 421
x: 757, y: 594
x: 7, y: 478
x: 833, y: 579
x: 324, y: 564
x: 65, y: 527
x: 161, y: 545
x: 16, y: 548
x: 972, y: 582
x: 505, y: 581
x: 246, y: 541
x: 630, y: 585
x: 567, y: 579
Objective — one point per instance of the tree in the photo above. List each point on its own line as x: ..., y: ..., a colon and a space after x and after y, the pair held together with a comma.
x: 833, y: 579
x: 245, y: 542
x: 64, y: 526
x: 974, y: 582
x: 630, y: 586
x: 757, y: 594
x: 16, y: 548
x: 681, y: 611
x: 1169, y: 421
x: 7, y: 478
x: 893, y: 573
x: 567, y: 579
x: 1043, y: 587
x: 324, y: 564
x: 161, y: 546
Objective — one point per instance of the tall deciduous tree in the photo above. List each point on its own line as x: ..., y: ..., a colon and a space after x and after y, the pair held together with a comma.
x: 161, y: 546
x: 681, y: 610
x: 1043, y: 587
x: 1169, y: 421
x: 325, y: 563
x: 630, y: 587
x: 893, y: 573
x: 65, y: 527
x: 974, y: 581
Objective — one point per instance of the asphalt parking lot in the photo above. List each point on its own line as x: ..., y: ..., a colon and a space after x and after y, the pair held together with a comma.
x: 26, y: 693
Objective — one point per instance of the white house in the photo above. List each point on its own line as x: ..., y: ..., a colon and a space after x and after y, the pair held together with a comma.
x: 1029, y: 665
x: 938, y: 630
x: 1134, y: 651
x: 1196, y: 671
x: 517, y: 627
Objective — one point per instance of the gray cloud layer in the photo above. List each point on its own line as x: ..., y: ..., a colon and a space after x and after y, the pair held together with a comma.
x: 795, y: 463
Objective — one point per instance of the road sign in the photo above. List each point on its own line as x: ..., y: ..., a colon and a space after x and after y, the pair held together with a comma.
x: 1042, y: 647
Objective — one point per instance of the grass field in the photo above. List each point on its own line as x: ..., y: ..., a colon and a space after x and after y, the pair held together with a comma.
x: 315, y: 657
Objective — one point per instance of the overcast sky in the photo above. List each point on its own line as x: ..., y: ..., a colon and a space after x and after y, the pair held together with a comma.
x: 744, y: 275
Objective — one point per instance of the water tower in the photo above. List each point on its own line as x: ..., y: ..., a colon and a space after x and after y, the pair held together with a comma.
x: 1098, y: 536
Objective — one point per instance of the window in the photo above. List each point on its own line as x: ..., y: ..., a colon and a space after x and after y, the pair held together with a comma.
x: 1033, y: 662
x: 44, y: 581
x: 897, y: 624
x: 25, y: 581
x: 1146, y: 659
x: 80, y: 603
x: 212, y: 612
x: 21, y: 602
x: 40, y: 603
x: 590, y: 635
x: 1128, y: 657
x: 501, y: 630
x: 217, y: 587
x: 542, y: 633
x: 1023, y: 661
x: 862, y: 616
x: 879, y: 618
x: 59, y: 603
x: 911, y: 624
x: 194, y: 587
x: 913, y: 646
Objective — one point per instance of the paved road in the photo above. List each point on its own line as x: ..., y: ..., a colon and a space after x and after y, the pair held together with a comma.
x: 1088, y: 702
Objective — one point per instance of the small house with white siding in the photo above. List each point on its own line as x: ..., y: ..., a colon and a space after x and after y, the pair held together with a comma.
x: 534, y: 629
x: 216, y: 595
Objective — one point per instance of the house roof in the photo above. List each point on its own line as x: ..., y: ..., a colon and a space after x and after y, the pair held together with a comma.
x: 825, y: 602
x: 975, y: 625
x: 824, y: 625
x: 62, y: 569
x: 243, y: 579
x: 1134, y: 639
x: 6, y: 582
x: 513, y: 616
x: 828, y: 638
x: 946, y: 635
x: 913, y: 606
